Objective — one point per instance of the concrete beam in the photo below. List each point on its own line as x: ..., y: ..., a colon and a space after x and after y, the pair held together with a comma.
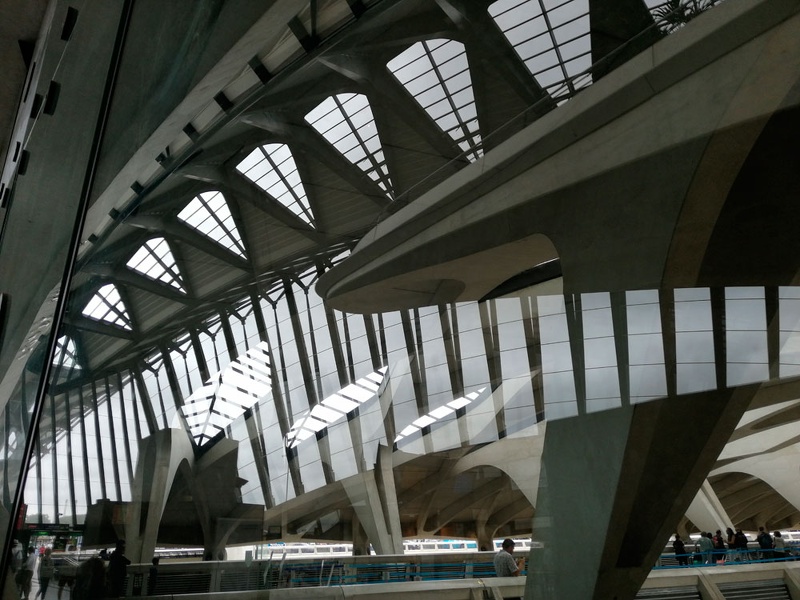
x: 619, y: 159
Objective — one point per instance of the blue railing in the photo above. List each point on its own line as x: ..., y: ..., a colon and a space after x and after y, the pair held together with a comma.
x: 336, y: 572
x: 727, y: 557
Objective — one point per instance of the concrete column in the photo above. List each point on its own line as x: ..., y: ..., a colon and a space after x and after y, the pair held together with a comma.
x: 160, y: 457
x: 374, y: 500
x: 613, y: 482
x: 214, y: 481
x: 360, y: 539
x: 485, y: 540
x: 707, y: 512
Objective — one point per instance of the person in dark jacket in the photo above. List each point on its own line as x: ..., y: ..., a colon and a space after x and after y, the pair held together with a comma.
x: 117, y: 570
x: 90, y: 580
x: 680, y: 551
x: 719, y: 547
x: 152, y: 577
x: 740, y: 541
x: 764, y: 540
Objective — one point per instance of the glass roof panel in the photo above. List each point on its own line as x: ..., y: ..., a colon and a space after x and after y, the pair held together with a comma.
x: 66, y: 354
x: 325, y: 414
x: 227, y: 394
x: 341, y: 404
x: 156, y: 261
x: 209, y: 214
x: 436, y: 74
x: 437, y: 414
x: 551, y: 38
x: 273, y: 169
x: 107, y: 306
x: 335, y: 407
x: 347, y: 122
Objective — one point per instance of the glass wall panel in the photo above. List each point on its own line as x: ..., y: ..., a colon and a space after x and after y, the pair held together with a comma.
x: 419, y: 399
x: 694, y: 341
x: 789, y: 311
x: 746, y: 336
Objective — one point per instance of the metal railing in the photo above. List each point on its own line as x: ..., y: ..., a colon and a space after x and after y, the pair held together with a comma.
x: 742, y: 556
x: 280, y: 572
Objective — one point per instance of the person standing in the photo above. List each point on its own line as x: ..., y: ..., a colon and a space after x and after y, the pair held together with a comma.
x: 152, y: 577
x: 731, y: 541
x: 705, y: 546
x: 90, y: 580
x: 779, y: 546
x: 764, y: 540
x: 46, y: 569
x: 680, y: 551
x: 25, y: 575
x: 117, y: 570
x: 719, y: 547
x: 504, y: 563
x: 741, y: 545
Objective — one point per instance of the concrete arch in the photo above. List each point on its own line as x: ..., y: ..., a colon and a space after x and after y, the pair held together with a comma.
x: 763, y: 488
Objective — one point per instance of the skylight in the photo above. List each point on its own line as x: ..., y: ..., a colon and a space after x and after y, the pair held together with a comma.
x: 228, y: 393
x: 66, y: 354
x: 438, y: 414
x: 273, y: 169
x: 106, y: 305
x: 346, y: 121
x: 551, y: 38
x: 672, y: 15
x: 209, y: 214
x: 436, y: 74
x: 335, y: 407
x: 155, y: 260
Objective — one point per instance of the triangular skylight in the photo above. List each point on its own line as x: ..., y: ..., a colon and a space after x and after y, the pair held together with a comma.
x: 209, y: 214
x: 551, y: 38
x: 437, y: 414
x: 228, y: 393
x: 66, y: 354
x: 155, y: 260
x: 436, y: 73
x: 106, y: 305
x: 346, y: 121
x: 335, y: 407
x: 273, y: 169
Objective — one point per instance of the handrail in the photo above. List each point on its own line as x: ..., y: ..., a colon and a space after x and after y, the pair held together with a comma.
x: 728, y: 557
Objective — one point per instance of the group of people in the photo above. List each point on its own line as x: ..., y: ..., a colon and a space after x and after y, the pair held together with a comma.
x: 93, y: 579
x: 717, y: 548
x: 23, y: 565
x: 771, y: 546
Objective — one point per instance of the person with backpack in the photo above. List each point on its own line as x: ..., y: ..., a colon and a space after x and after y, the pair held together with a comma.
x: 740, y: 543
x: 764, y: 540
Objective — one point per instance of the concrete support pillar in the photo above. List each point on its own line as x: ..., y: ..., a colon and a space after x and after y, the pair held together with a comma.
x: 360, y: 539
x: 214, y: 477
x: 613, y: 479
x: 485, y: 539
x: 707, y: 512
x: 160, y: 457
x: 374, y: 500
